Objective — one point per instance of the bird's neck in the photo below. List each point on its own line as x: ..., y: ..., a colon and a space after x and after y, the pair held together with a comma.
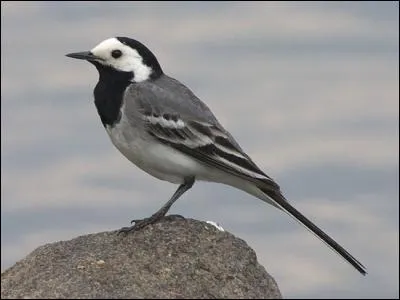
x: 109, y: 92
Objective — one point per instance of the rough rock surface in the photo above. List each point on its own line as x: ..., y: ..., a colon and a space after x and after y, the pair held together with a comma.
x: 175, y: 258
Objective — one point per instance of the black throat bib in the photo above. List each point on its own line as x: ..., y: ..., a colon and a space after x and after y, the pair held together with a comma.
x: 109, y: 93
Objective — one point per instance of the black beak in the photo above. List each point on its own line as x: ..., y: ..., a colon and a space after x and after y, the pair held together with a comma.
x: 86, y: 55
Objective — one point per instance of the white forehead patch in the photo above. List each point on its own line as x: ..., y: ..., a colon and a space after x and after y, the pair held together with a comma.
x: 129, y: 61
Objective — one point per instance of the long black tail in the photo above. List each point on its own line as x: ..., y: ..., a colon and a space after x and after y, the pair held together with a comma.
x: 283, y: 204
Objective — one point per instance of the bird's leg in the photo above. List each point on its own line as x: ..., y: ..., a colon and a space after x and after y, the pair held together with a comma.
x: 139, y: 224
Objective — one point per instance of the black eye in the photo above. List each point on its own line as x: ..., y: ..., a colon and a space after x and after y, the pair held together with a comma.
x: 116, y: 53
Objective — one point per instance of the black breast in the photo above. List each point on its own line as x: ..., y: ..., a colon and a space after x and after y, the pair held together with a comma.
x: 109, y: 92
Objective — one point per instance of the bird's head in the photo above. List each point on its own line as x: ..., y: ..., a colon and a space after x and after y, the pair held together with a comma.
x: 122, y: 55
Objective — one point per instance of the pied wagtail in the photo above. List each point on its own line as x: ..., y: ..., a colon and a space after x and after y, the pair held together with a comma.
x: 164, y: 129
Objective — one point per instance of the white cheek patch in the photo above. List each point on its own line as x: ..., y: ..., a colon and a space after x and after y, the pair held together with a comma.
x: 130, y: 61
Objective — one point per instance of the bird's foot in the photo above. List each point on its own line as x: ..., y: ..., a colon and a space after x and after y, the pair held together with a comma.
x: 142, y: 223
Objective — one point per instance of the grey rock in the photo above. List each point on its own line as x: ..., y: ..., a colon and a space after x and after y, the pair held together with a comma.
x: 175, y: 258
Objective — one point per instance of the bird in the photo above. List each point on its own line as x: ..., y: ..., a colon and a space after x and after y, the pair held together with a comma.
x: 163, y: 128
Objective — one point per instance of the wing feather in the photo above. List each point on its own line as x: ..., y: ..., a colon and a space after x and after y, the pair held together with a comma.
x: 207, y: 143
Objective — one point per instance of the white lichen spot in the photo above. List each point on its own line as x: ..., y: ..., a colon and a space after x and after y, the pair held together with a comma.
x: 216, y: 225
x: 100, y: 262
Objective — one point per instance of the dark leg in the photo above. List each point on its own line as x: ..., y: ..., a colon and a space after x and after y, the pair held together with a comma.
x: 139, y: 224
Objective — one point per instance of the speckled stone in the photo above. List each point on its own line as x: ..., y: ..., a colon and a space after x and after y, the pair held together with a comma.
x: 175, y: 258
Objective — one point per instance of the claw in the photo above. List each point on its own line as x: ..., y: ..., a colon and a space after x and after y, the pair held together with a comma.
x: 133, y: 228
x: 124, y: 230
x: 140, y: 224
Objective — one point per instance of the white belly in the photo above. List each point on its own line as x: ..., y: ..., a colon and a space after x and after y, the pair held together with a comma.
x: 154, y: 158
